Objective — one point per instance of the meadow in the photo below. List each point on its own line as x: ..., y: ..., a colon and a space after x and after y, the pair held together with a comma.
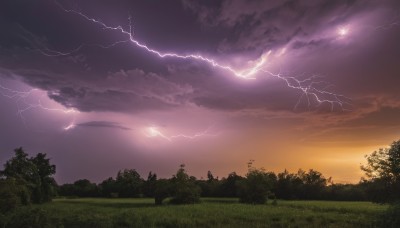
x: 211, y: 212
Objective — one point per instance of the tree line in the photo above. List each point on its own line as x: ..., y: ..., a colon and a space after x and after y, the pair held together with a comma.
x: 256, y: 186
x: 26, y: 180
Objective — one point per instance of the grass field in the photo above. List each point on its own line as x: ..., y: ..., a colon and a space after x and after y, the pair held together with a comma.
x: 211, y: 212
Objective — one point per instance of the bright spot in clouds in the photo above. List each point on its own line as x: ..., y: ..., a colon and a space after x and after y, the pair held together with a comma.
x: 69, y: 127
x: 343, y: 31
x: 152, y: 132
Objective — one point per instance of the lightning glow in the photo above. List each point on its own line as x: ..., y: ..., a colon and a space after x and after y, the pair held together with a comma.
x: 69, y: 127
x: 153, y: 132
x: 343, y: 31
x: 309, y: 91
x: 27, y: 100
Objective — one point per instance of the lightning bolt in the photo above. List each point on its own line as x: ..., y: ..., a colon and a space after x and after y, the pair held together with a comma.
x: 69, y: 127
x: 153, y: 132
x: 53, y: 53
x: 308, y: 88
x: 22, y: 99
x: 395, y: 21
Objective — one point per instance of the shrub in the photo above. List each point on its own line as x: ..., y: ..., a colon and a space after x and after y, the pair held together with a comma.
x: 162, y: 191
x: 12, y: 195
x: 185, y: 191
x: 28, y: 217
x: 391, y: 217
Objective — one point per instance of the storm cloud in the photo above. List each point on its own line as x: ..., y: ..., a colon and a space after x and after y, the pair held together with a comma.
x: 315, y: 86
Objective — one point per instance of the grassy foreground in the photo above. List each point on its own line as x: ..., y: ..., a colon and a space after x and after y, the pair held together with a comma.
x: 212, y: 212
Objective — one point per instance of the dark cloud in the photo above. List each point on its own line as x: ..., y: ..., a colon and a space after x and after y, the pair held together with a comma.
x: 125, y: 78
x: 104, y: 124
x: 259, y: 25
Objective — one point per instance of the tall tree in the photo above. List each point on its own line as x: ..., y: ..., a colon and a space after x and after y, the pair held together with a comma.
x: 184, y: 188
x: 45, y: 171
x: 383, y: 172
x: 150, y: 185
x: 34, y: 173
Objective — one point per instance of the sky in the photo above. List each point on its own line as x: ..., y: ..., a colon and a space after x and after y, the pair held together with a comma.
x: 101, y: 86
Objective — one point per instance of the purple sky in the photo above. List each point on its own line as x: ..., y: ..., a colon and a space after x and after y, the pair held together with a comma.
x: 289, y: 84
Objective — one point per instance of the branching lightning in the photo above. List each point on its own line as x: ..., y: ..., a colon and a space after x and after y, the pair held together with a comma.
x: 307, y: 87
x: 24, y: 103
x: 153, y: 132
x: 390, y: 24
x: 52, y: 53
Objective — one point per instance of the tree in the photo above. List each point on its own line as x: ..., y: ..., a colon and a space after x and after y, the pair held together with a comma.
x: 163, y: 189
x: 150, y: 185
x: 21, y: 167
x: 313, y: 184
x: 109, y: 188
x: 84, y: 188
x: 288, y: 185
x: 229, y: 185
x: 383, y: 171
x: 210, y: 176
x: 185, y: 191
x: 12, y: 195
x: 129, y: 183
x: 34, y: 173
x: 256, y: 187
x: 209, y: 187
x: 46, y: 189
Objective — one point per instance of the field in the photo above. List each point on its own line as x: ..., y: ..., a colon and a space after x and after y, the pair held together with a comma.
x: 211, y: 212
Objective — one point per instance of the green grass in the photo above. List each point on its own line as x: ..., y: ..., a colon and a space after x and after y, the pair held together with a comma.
x: 212, y: 212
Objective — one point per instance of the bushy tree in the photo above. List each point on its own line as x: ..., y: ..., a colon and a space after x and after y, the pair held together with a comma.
x: 289, y: 185
x: 34, y: 174
x: 209, y: 187
x: 84, y: 188
x: 46, y: 189
x: 313, y: 184
x: 229, y: 185
x: 129, y: 183
x: 163, y: 190
x: 185, y: 191
x: 256, y: 187
x: 383, y: 173
x: 109, y: 188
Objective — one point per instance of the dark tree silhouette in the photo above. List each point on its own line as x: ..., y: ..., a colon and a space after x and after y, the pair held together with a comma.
x: 185, y: 191
x: 229, y: 185
x: 256, y: 187
x: 45, y: 171
x: 383, y: 173
x: 163, y: 189
x: 109, y: 188
x: 150, y: 185
x: 30, y: 174
x: 129, y: 183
